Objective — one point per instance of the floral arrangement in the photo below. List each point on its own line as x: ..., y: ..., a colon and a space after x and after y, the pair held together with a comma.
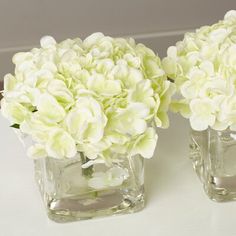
x: 203, y: 67
x: 99, y: 97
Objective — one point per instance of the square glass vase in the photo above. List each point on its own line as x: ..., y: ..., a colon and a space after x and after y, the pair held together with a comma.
x: 71, y: 192
x: 213, y: 154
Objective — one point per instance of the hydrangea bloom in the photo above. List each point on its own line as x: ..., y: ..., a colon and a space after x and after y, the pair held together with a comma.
x: 111, y: 178
x: 99, y: 96
x: 203, y: 66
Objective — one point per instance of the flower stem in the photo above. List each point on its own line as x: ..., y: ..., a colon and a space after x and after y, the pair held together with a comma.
x: 87, y: 172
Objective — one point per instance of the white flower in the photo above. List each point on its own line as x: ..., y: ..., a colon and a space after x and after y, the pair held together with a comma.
x: 97, y: 96
x: 111, y: 178
x: 36, y: 127
x: 94, y: 150
x: 218, y: 35
x: 145, y: 144
x: 9, y: 83
x: 203, y: 68
x: 49, y: 109
x: 134, y: 76
x: 93, y: 39
x: 58, y: 89
x: 202, y: 113
x: 86, y: 121
x: 14, y: 111
x: 60, y: 144
x: 37, y: 151
x: 227, y: 114
x: 130, y: 120
x: 230, y: 15
x: 47, y: 42
x: 100, y: 85
x: 143, y: 93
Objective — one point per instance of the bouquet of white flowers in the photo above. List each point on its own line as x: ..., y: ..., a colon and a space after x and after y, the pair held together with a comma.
x: 203, y: 67
x: 98, y: 97
x: 87, y: 107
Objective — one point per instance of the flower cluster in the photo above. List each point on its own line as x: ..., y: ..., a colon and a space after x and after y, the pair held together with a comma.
x: 203, y: 66
x: 111, y: 178
x: 99, y: 96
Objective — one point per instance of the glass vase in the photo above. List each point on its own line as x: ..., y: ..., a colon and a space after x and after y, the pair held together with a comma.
x: 214, y: 159
x: 71, y: 192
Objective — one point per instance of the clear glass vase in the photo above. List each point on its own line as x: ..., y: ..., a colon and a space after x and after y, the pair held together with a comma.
x: 214, y: 159
x: 71, y: 192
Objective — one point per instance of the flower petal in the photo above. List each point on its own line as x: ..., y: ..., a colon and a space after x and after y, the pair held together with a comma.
x: 145, y: 144
x: 49, y: 109
x: 47, y: 42
x: 60, y: 144
x: 37, y: 151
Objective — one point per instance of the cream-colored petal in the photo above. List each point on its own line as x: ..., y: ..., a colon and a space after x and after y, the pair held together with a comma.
x: 47, y: 42
x: 49, y: 109
x: 37, y: 151
x: 145, y: 144
x: 14, y: 111
x: 60, y: 144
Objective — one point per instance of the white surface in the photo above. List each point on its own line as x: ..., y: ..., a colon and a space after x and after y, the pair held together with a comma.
x: 176, y: 203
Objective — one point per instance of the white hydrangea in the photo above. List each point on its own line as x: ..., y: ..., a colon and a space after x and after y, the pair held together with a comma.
x: 203, y: 67
x: 113, y: 177
x: 99, y: 96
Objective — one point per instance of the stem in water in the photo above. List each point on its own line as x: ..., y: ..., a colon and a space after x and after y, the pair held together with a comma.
x: 87, y: 172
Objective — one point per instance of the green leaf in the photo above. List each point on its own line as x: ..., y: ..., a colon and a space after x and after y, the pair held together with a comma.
x: 16, y: 126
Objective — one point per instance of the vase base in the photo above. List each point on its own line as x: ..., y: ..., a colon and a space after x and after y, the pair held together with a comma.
x: 213, y: 157
x: 221, y: 189
x: 97, y: 204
